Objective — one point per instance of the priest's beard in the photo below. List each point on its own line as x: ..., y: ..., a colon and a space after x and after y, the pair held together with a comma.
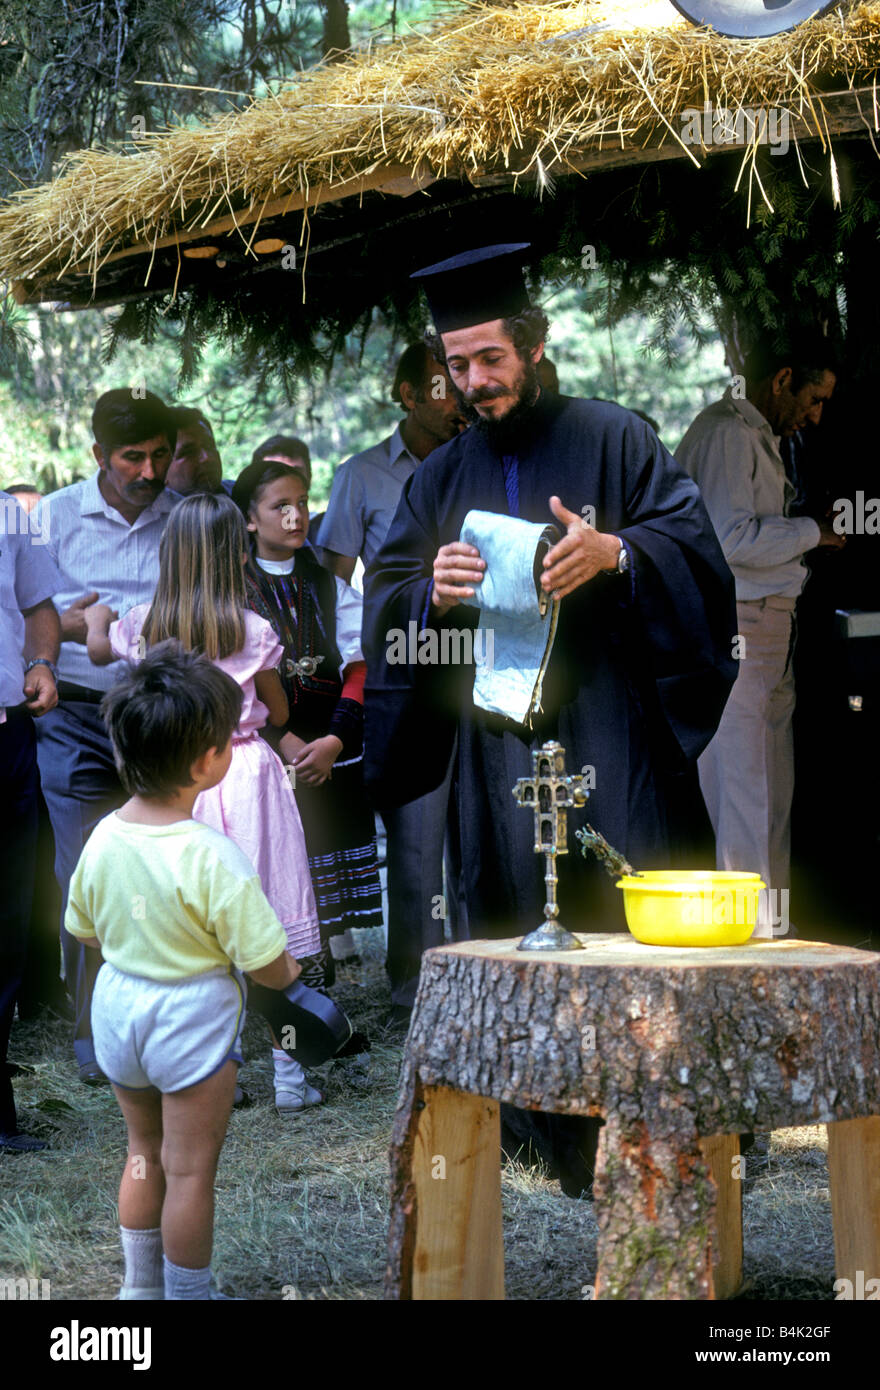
x: 505, y: 434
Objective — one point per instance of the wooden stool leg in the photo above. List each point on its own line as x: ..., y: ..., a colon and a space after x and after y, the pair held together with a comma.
x: 854, y: 1177
x: 445, y: 1235
x: 720, y: 1154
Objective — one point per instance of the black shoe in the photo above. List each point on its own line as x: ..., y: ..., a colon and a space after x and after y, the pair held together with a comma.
x: 21, y: 1144
x: 576, y: 1191
x: 91, y: 1075
x: 57, y: 1004
x: 756, y: 1159
x: 398, y: 1019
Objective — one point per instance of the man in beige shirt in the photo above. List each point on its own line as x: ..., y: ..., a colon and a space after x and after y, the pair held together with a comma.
x: 732, y: 452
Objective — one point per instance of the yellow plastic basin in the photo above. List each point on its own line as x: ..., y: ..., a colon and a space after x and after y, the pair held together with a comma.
x: 691, y: 907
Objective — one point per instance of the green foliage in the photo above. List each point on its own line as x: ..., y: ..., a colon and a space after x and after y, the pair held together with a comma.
x: 782, y: 274
x: 46, y: 402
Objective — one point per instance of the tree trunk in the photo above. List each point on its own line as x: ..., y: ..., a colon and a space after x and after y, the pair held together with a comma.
x: 336, y: 38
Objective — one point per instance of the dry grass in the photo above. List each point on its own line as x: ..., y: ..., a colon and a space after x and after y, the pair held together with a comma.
x: 518, y: 87
x: 302, y: 1203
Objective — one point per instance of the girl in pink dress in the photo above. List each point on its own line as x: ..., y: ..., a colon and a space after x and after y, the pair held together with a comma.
x: 201, y: 600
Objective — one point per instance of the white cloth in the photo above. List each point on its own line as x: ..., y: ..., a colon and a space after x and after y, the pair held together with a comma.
x: 149, y: 1033
x: 28, y: 576
x: 364, y: 497
x: 95, y: 549
x: 747, y: 771
x: 733, y: 456
x: 517, y: 620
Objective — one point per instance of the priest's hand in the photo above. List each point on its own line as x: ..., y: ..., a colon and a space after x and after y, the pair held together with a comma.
x: 582, y: 553
x: 456, y: 567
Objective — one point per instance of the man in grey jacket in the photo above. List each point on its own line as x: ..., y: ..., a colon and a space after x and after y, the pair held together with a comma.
x: 732, y: 452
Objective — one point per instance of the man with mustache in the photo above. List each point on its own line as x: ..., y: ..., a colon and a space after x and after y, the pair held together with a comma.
x: 641, y: 664
x: 732, y: 451
x: 103, y: 534
x: 196, y: 465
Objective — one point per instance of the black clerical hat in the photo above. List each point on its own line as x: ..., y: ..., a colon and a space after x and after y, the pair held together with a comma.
x: 476, y: 287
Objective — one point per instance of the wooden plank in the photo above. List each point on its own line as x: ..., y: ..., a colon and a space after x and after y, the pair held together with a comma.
x: 395, y: 179
x: 720, y: 1153
x: 854, y: 1176
x: 456, y: 1173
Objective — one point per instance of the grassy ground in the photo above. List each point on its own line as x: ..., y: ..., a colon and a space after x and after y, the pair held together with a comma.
x: 301, y: 1203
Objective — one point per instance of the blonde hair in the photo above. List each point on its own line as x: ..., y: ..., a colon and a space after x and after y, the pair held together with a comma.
x: 200, y: 598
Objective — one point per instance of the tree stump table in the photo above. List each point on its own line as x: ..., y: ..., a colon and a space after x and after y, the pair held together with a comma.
x: 678, y: 1051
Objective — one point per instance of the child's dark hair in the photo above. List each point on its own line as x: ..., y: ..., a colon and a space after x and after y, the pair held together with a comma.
x: 166, y: 712
x: 287, y: 445
x: 249, y: 484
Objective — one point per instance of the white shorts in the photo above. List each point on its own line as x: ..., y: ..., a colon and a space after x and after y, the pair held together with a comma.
x: 167, y: 1036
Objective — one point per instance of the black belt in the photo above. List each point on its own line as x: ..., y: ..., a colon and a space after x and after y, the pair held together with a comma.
x: 68, y: 691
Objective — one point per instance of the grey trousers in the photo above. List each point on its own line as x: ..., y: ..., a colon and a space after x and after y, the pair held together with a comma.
x: 747, y: 771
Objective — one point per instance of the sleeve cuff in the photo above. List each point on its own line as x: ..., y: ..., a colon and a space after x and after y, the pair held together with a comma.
x: 347, y: 723
x: 423, y: 623
x: 812, y: 529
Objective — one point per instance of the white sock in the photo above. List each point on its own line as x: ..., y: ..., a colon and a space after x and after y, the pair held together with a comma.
x: 142, y: 1251
x: 343, y: 945
x: 289, y: 1074
x: 186, y: 1284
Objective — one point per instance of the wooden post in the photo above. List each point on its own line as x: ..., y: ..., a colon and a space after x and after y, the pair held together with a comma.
x: 854, y: 1177
x: 720, y: 1153
x: 456, y: 1175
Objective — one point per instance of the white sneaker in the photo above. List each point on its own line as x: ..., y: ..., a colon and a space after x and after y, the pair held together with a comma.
x: 142, y: 1295
x: 290, y: 1099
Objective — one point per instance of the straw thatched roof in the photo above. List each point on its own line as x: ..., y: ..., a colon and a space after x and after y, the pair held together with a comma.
x: 518, y: 96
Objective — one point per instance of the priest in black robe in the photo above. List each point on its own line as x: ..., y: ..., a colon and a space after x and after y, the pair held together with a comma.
x: 642, y: 662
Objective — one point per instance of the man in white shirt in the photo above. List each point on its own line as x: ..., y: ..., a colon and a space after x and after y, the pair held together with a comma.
x: 363, y: 500
x: 103, y: 534
x: 732, y: 452
x: 366, y: 488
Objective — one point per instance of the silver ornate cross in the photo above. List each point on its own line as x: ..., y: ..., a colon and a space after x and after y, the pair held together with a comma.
x: 549, y: 793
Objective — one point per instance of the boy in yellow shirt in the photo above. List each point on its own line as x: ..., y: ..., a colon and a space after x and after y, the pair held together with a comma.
x: 179, y: 914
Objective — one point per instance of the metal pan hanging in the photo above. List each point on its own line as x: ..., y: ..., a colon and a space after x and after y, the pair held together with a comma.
x: 751, y: 19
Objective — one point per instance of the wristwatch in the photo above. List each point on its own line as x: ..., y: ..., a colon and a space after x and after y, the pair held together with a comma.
x: 42, y: 661
x: 622, y: 566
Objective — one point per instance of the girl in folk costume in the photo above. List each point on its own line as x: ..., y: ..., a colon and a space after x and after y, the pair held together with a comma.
x: 201, y: 600
x: 318, y: 619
